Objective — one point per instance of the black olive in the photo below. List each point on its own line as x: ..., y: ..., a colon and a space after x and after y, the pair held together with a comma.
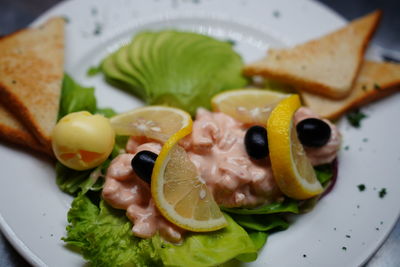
x: 143, y: 164
x: 313, y: 132
x: 256, y: 142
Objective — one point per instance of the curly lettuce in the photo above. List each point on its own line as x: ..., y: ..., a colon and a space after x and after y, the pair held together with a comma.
x: 103, y: 236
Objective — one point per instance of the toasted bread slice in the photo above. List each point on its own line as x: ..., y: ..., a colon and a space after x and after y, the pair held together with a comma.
x: 31, y: 72
x: 376, y: 80
x: 12, y: 130
x: 326, y: 66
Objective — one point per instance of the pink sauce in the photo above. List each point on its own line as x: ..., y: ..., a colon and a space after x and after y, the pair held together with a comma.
x: 217, y: 150
x: 123, y: 189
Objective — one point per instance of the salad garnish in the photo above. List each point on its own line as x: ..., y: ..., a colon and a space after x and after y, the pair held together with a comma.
x: 96, y: 213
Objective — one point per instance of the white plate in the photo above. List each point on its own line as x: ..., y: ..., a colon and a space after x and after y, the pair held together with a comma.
x: 33, y: 210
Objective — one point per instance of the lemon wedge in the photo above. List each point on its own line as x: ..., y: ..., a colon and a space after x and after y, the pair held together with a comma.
x: 293, y: 172
x: 156, y: 122
x: 179, y: 193
x: 247, y: 105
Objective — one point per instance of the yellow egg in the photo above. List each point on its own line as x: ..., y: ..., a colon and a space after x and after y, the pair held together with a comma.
x: 83, y: 141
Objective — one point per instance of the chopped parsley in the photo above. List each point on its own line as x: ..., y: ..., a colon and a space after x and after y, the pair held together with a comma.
x: 344, y: 248
x: 355, y: 117
x: 348, y: 236
x: 382, y: 193
x: 361, y: 187
x: 98, y: 28
x: 94, y: 11
x: 276, y: 14
x: 93, y: 70
x: 364, y: 87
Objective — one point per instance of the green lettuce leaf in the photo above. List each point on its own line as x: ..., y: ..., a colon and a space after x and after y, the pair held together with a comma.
x: 75, y: 98
x: 106, y: 112
x: 103, y: 235
x: 289, y: 205
x: 324, y: 173
x: 70, y: 181
x: 259, y: 239
x: 262, y: 222
x: 207, y: 249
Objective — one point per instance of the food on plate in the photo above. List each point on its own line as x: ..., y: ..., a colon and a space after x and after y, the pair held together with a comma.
x: 313, y: 132
x: 216, y: 152
x: 179, y: 191
x: 156, y: 122
x: 147, y: 181
x: 292, y: 170
x: 256, y: 142
x: 82, y: 141
x: 31, y: 72
x: 243, y: 187
x: 248, y: 106
x: 180, y: 69
x: 169, y: 177
x: 326, y: 66
x: 375, y: 81
x: 12, y: 130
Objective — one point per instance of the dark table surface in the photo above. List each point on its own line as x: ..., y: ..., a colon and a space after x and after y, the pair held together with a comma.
x: 16, y: 14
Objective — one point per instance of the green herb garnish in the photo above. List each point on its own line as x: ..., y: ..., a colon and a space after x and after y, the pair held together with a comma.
x: 276, y: 14
x: 98, y: 28
x: 93, y: 70
x: 382, y: 193
x: 355, y: 117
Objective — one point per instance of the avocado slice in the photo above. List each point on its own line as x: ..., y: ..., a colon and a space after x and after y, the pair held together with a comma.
x: 176, y: 68
x: 133, y: 57
x: 115, y: 77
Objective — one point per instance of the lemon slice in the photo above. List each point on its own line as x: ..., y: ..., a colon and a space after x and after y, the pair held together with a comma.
x: 179, y: 192
x: 247, y: 105
x: 156, y: 122
x: 293, y: 172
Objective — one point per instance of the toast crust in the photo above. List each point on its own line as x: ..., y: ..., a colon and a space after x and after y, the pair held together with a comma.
x: 327, y: 66
x: 31, y: 72
x: 375, y: 81
x: 11, y: 130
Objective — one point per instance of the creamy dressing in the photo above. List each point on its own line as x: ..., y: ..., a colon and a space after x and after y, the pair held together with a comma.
x: 124, y: 190
x: 216, y: 147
